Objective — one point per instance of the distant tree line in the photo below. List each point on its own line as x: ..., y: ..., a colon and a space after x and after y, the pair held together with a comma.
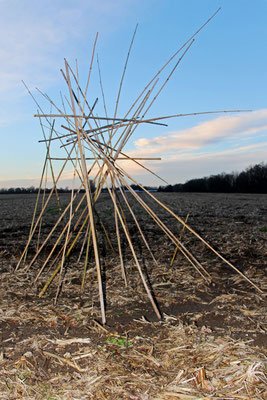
x: 252, y: 180
x: 32, y: 189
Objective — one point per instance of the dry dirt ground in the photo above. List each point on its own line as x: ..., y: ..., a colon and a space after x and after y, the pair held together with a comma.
x: 209, y: 344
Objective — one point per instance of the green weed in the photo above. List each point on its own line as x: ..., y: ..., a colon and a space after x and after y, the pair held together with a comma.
x: 121, y: 342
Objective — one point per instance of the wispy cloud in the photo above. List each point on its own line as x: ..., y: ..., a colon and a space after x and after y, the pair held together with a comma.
x: 189, y: 165
x: 219, y: 130
x: 227, y: 143
x: 33, y: 39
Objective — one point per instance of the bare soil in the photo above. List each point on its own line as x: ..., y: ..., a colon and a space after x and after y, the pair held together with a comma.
x: 41, y: 341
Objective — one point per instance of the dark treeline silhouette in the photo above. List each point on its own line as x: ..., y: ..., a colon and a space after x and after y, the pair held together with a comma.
x: 252, y: 180
x: 32, y: 189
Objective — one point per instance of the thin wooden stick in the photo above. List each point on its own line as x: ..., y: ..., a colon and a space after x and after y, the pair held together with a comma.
x: 89, y: 203
x: 97, y: 118
x: 180, y: 239
x: 83, y: 243
x: 123, y: 74
x: 123, y: 270
x: 90, y: 70
x: 50, y: 160
x: 67, y: 236
x: 134, y: 218
x: 35, y: 210
x: 39, y: 191
x: 103, y: 158
x: 119, y: 248
x: 102, y: 89
x: 86, y: 258
x: 54, y: 105
x: 85, y: 102
x: 42, y: 205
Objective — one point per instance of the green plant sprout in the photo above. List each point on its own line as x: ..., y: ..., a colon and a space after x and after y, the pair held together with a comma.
x: 121, y: 342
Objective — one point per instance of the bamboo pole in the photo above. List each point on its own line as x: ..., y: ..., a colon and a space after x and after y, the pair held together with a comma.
x: 136, y: 221
x: 103, y: 158
x: 66, y: 238
x: 35, y: 210
x: 90, y: 70
x: 102, y: 89
x: 86, y: 259
x: 123, y: 272
x: 39, y: 191
x: 180, y: 239
x: 123, y: 74
x: 89, y: 203
x: 42, y: 205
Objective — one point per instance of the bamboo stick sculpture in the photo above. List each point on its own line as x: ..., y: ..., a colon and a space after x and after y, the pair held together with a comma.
x: 91, y: 147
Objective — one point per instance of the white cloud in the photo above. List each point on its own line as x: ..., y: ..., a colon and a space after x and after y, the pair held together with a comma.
x: 191, y: 166
x: 34, y: 38
x: 180, y: 168
x: 189, y: 153
x: 221, y: 129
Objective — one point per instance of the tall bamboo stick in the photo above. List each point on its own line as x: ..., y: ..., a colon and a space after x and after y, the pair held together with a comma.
x: 89, y: 203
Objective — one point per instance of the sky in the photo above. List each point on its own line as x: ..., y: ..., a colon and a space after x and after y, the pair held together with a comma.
x: 224, y: 69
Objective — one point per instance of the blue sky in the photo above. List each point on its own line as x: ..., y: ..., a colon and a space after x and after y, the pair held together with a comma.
x: 226, y: 68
